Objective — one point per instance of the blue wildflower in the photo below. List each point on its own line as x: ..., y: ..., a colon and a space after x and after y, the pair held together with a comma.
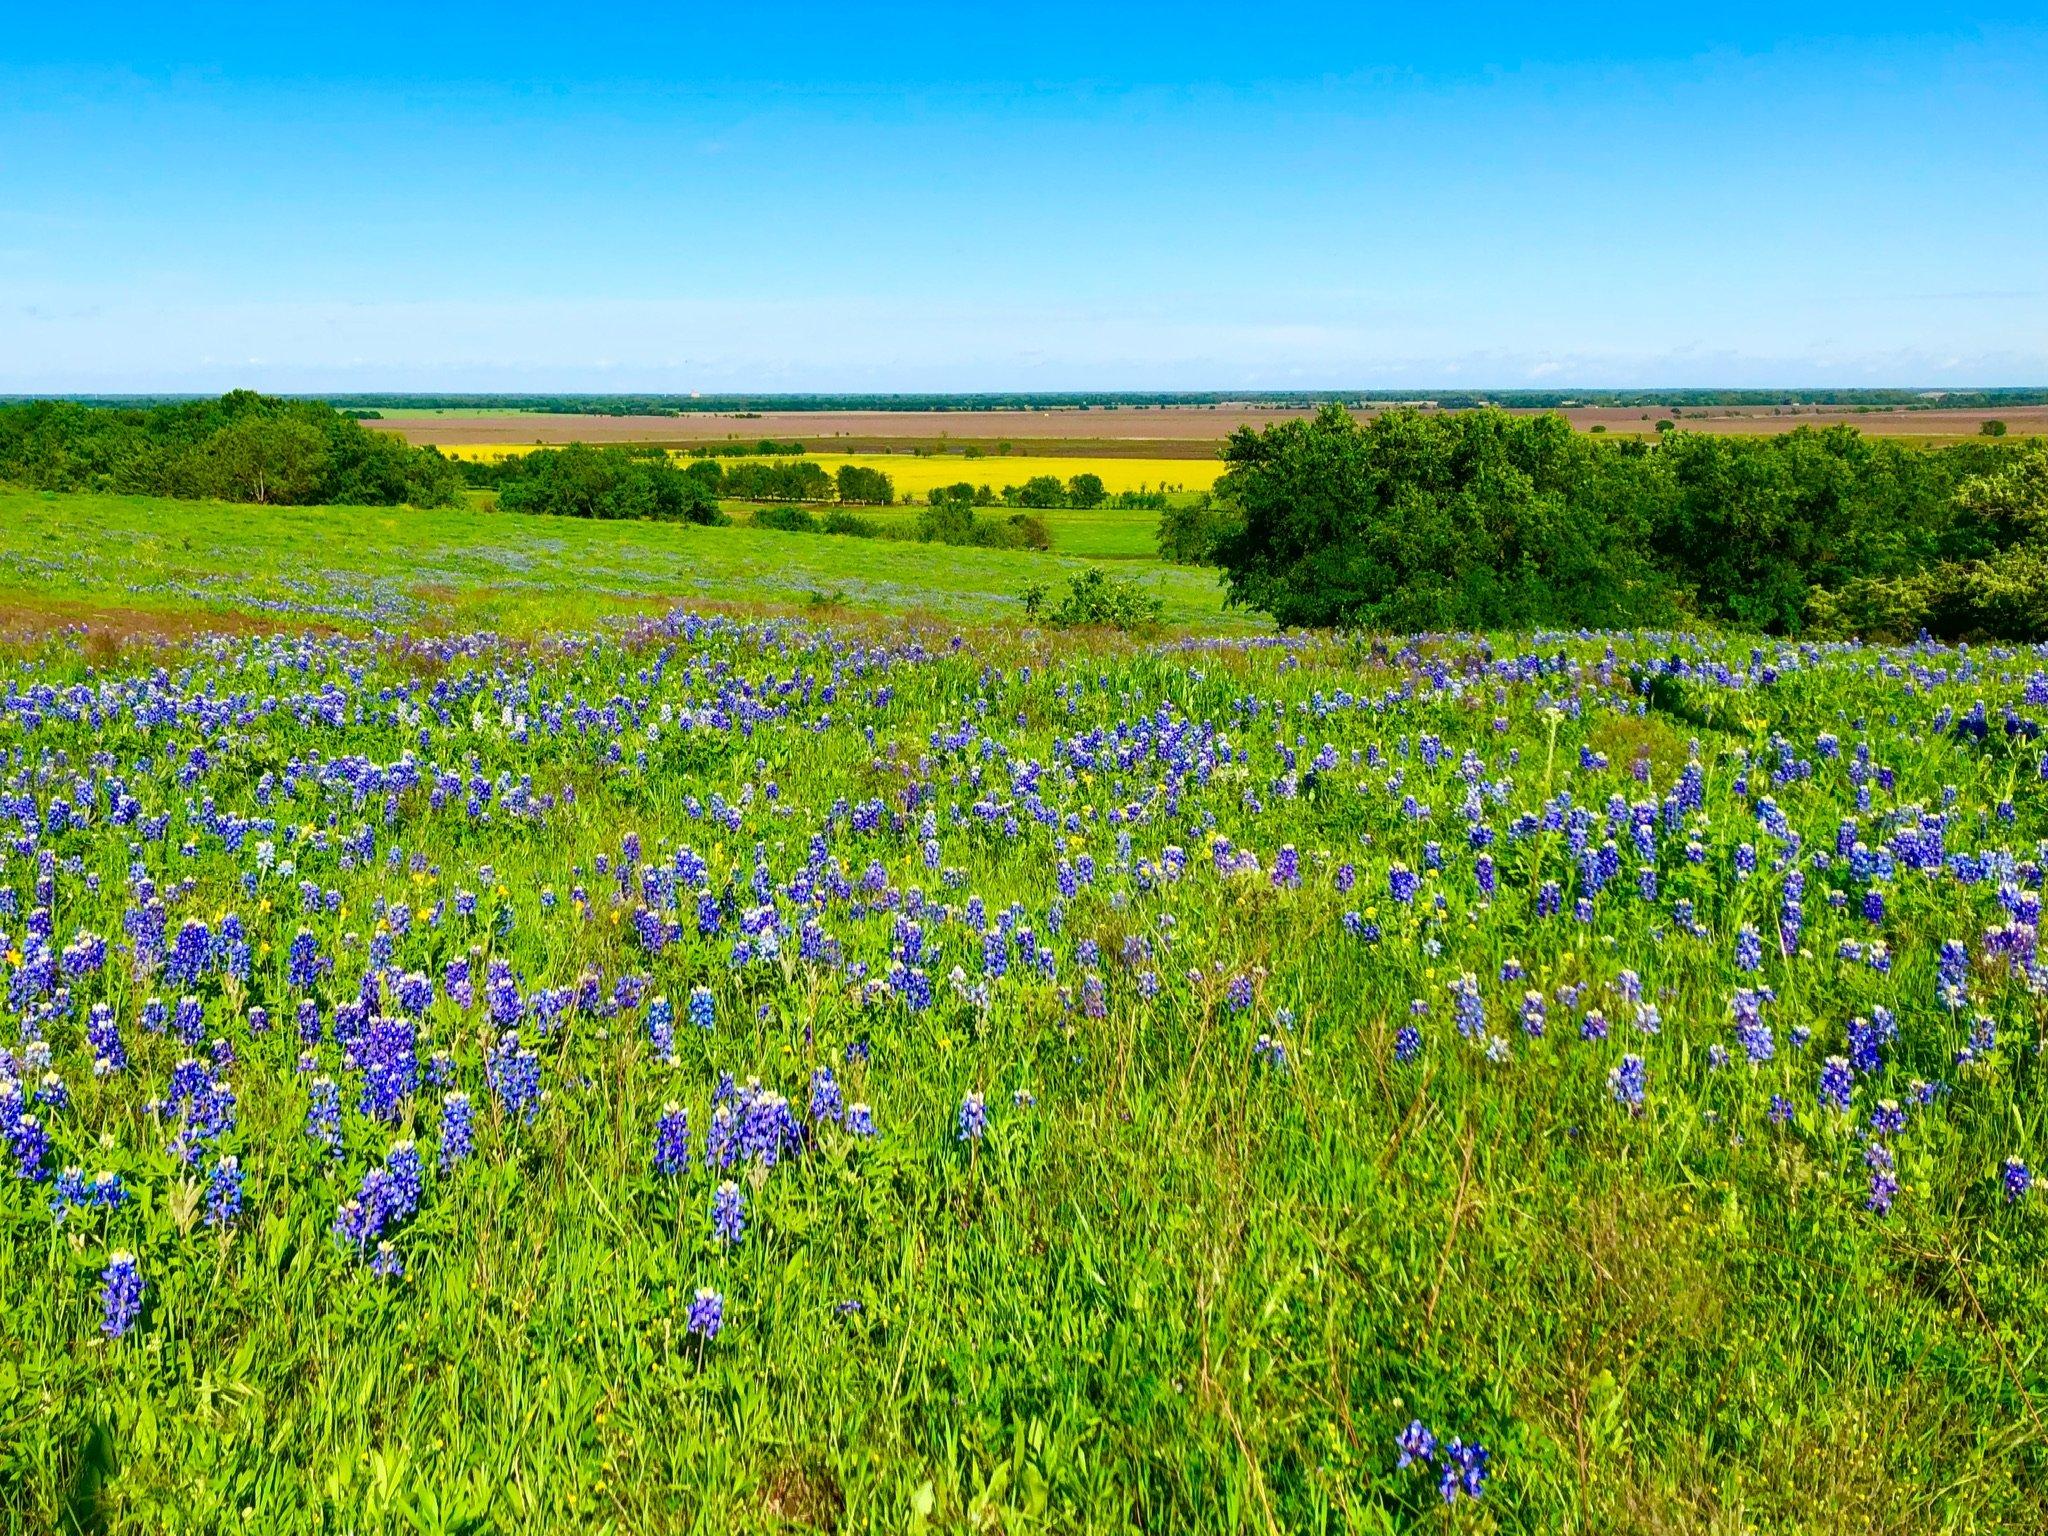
x: 121, y: 1292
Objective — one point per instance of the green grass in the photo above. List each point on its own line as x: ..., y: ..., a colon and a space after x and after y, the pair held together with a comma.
x: 1175, y: 1286
x: 467, y: 567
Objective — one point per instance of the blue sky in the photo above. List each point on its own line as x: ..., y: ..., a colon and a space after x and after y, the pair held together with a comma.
x: 1051, y: 197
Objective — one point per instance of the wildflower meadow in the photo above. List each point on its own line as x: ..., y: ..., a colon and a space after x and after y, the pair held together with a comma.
x: 707, y: 1073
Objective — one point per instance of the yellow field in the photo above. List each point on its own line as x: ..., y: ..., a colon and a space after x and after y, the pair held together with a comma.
x: 915, y: 476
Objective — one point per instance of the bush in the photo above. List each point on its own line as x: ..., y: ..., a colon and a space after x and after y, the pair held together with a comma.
x: 787, y: 519
x: 1191, y: 535
x: 1095, y: 600
x: 848, y: 523
x: 953, y: 522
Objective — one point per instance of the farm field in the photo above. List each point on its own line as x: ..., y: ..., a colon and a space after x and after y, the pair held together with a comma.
x: 1160, y: 432
x: 919, y: 474
x: 493, y: 1045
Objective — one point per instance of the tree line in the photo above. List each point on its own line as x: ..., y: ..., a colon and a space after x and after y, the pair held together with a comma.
x: 1099, y: 400
x: 1483, y: 520
x: 241, y: 447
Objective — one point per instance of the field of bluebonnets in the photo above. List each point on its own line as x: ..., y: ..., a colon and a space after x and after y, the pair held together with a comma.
x: 710, y: 1073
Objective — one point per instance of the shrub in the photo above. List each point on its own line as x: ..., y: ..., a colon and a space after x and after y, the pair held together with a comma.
x: 1190, y: 535
x: 953, y: 522
x: 1095, y: 600
x: 786, y: 519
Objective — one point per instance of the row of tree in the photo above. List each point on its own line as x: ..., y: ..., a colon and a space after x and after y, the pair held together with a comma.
x: 241, y: 447
x: 583, y: 481
x: 1040, y: 492
x: 1431, y: 521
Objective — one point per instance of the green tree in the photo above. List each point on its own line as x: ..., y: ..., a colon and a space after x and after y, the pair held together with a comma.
x: 862, y: 486
x: 1085, y: 490
x: 1430, y: 521
x: 267, y: 458
x: 582, y: 481
x: 1193, y: 533
x: 1041, y: 491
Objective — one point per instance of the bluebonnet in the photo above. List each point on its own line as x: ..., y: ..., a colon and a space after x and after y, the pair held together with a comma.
x: 1415, y: 1443
x: 661, y: 1027
x: 458, y: 1117
x: 104, y: 1036
x: 1467, y: 1007
x: 1464, y: 1471
x: 1749, y: 949
x: 2016, y: 1178
x: 728, y: 1213
x: 973, y: 1117
x: 121, y: 1292
x: 402, y: 1162
x: 826, y: 1100
x: 672, y: 1140
x: 1953, y: 973
x: 1836, y: 1083
x: 703, y: 1011
x: 514, y: 1075
x: 1627, y: 1080
x: 30, y: 1144
x: 323, y: 1115
x: 224, y: 1193
x: 1884, y: 1180
x: 706, y: 1315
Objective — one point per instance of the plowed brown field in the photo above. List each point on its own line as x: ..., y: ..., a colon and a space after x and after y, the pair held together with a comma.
x: 1157, y: 432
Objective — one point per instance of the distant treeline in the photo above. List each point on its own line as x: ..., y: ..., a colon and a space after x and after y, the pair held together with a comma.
x: 1419, y: 521
x: 766, y: 448
x: 1041, y: 492
x: 805, y: 480
x: 1462, y: 399
x: 241, y: 447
